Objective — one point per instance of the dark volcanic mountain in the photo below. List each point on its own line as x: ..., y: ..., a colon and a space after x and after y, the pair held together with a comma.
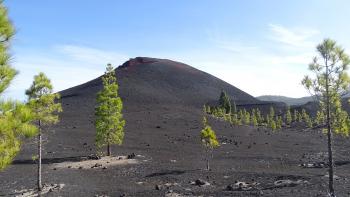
x: 159, y: 81
x: 163, y: 103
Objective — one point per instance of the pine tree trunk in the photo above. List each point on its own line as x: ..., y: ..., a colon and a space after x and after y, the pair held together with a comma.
x: 108, y: 149
x: 330, y: 152
x: 208, y: 165
x: 329, y: 136
x: 330, y: 161
x: 39, y: 158
x: 208, y: 157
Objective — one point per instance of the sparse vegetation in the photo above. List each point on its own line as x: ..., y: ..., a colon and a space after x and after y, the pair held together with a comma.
x: 255, y: 118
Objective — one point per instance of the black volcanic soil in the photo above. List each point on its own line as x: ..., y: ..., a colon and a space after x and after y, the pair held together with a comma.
x: 163, y: 110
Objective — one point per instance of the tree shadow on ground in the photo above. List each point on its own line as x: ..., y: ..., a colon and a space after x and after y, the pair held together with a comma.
x: 341, y: 163
x: 166, y: 172
x: 19, y: 193
x: 52, y: 160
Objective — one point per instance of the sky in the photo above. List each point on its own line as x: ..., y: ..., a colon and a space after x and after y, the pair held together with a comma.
x: 262, y: 47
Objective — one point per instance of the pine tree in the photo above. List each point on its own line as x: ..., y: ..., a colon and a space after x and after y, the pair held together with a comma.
x: 234, y: 119
x: 241, y: 116
x: 309, y: 122
x: 234, y: 108
x: 109, y: 118
x: 279, y: 122
x: 300, y: 117
x: 216, y: 112
x: 225, y: 102
x: 303, y: 115
x: 247, y: 118
x: 295, y: 116
x: 259, y: 117
x: 15, y: 124
x: 213, y: 111
x: 330, y: 81
x: 221, y: 112
x: 306, y: 118
x: 320, y: 118
x: 42, y: 102
x: 254, y: 119
x: 272, y: 124
x: 272, y: 113
x: 253, y: 112
x: 209, y: 140
x: 208, y: 109
x: 15, y: 117
x: 268, y: 119
x: 288, y: 117
x: 239, y: 122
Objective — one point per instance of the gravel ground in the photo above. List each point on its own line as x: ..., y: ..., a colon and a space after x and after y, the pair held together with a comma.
x: 162, y: 130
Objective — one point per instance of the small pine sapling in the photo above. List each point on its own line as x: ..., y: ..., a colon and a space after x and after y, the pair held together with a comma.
x: 209, y: 140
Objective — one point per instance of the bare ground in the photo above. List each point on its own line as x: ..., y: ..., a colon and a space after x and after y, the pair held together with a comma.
x: 172, y: 157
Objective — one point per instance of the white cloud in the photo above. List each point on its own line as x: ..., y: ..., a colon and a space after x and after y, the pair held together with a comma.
x: 299, y: 59
x: 297, y: 37
x: 91, y: 55
x: 65, y: 65
x: 269, y: 67
x: 238, y: 49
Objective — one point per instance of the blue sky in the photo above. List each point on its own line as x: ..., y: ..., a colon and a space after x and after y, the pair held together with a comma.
x: 262, y: 46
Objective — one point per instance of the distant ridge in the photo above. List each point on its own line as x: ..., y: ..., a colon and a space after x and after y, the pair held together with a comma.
x: 287, y: 100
